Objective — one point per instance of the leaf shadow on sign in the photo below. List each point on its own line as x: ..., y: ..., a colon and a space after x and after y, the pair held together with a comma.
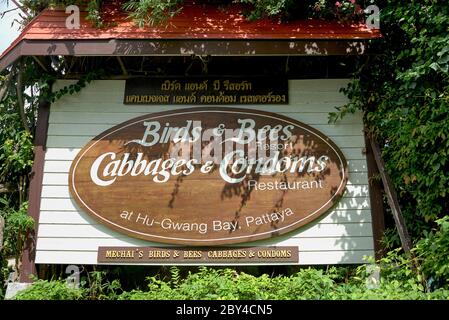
x: 245, y: 193
x: 346, y: 227
x: 304, y: 145
x: 343, y: 235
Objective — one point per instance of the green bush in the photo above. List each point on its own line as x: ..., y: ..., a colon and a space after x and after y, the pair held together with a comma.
x: 226, y: 284
x: 51, y: 290
x: 404, y: 95
x: 401, y: 277
x: 432, y: 252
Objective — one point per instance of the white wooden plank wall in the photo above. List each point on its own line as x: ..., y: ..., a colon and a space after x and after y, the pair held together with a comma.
x: 66, y: 235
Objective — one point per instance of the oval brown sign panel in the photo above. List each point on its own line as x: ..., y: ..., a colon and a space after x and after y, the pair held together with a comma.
x: 208, y: 176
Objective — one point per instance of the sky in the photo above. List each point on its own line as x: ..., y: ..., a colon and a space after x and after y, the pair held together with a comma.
x: 7, y: 32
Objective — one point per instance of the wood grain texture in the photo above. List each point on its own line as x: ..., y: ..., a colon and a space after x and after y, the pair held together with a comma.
x: 28, y: 267
x: 61, y: 179
x: 81, y: 141
x: 68, y: 204
x: 63, y: 166
x: 101, y: 231
x: 237, y: 209
x: 62, y: 192
x: 376, y: 200
x: 350, y: 153
x: 76, y: 217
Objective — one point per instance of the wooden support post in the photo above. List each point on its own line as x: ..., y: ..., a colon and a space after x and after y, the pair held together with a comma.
x: 122, y: 66
x: 392, y: 198
x: 27, y: 267
x: 376, y: 200
x: 40, y: 63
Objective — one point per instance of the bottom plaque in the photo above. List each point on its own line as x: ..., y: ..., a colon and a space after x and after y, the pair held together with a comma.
x: 198, y: 255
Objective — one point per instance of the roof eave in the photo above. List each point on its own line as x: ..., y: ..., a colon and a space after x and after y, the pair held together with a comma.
x: 184, y: 47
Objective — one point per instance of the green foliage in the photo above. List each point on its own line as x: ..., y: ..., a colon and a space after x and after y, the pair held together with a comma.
x: 93, y: 8
x: 99, y: 288
x: 154, y: 12
x: 432, y: 252
x: 17, y: 225
x: 95, y: 286
x: 51, y: 290
x: 398, y: 281
x: 16, y: 144
x: 307, y: 284
x: 16, y: 150
x: 347, y: 10
x: 16, y: 153
x: 175, y: 276
x: 344, y: 10
x: 84, y: 80
x: 4, y: 272
x: 93, y: 13
x: 16, y: 160
x: 151, y: 12
x: 266, y: 8
x: 404, y: 94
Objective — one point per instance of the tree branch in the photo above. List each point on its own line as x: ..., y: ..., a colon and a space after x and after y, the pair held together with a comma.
x: 20, y: 101
x: 2, y: 227
x: 4, y: 87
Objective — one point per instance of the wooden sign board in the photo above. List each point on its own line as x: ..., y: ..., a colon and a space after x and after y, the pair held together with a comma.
x: 208, y: 176
x: 71, y: 228
x: 206, y: 91
x: 216, y: 255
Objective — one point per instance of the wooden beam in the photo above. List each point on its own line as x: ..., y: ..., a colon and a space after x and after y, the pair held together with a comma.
x: 28, y: 267
x: 21, y: 8
x: 392, y: 198
x: 179, y: 47
x: 40, y: 63
x: 6, y: 83
x: 376, y: 200
x: 122, y: 66
x: 20, y: 99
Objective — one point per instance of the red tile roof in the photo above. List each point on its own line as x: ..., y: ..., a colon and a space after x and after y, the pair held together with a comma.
x: 194, y: 22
